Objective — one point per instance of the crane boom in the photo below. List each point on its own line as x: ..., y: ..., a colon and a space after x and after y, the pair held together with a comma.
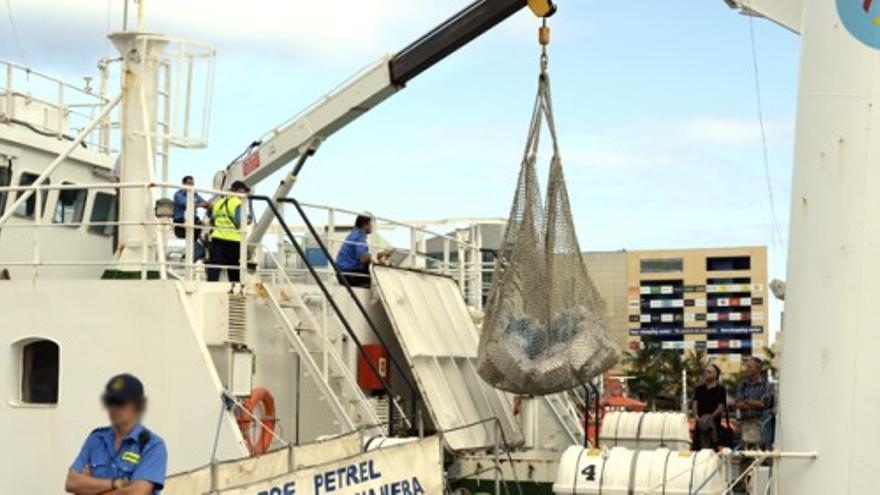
x: 303, y: 133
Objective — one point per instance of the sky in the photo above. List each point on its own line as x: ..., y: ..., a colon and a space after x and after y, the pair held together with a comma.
x: 655, y: 105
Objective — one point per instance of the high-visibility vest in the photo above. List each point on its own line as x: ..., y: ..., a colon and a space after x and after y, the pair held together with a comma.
x: 224, y: 220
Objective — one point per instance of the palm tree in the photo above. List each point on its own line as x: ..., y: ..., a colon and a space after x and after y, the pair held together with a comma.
x: 649, y: 380
x: 657, y: 374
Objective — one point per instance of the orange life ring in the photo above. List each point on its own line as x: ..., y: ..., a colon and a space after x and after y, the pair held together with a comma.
x: 257, y: 443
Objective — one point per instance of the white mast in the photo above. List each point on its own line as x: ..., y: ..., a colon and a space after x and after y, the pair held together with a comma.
x: 141, y: 54
x: 830, y: 375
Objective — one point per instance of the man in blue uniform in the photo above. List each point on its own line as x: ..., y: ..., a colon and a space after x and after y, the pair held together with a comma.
x: 124, y: 458
x: 354, y: 255
x: 180, y: 216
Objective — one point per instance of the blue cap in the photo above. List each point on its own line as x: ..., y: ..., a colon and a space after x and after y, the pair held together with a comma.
x: 123, y: 388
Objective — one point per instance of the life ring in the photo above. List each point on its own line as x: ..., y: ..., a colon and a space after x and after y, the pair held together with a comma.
x: 257, y: 435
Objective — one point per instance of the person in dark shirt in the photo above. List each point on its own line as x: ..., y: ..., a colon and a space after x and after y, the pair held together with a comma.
x: 710, y: 401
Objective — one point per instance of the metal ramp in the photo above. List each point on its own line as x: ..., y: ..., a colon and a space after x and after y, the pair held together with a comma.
x: 439, y: 339
x: 321, y: 360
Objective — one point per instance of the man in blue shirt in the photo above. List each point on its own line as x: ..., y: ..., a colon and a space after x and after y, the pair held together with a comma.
x: 354, y: 255
x: 124, y: 458
x: 180, y: 215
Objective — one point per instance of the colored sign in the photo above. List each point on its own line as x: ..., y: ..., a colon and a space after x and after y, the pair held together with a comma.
x: 411, y: 469
x: 657, y: 289
x: 862, y: 19
x: 666, y: 303
x: 674, y: 331
x: 701, y: 344
x: 251, y: 163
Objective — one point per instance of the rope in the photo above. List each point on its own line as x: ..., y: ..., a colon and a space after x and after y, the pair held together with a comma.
x: 776, y: 232
x: 14, y: 31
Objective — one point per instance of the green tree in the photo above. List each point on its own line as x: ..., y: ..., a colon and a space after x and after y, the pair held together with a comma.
x: 657, y: 374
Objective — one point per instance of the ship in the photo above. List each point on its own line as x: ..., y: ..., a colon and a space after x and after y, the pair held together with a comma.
x: 293, y: 380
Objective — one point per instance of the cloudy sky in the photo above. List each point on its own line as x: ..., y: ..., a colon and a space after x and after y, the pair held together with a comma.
x: 655, y: 102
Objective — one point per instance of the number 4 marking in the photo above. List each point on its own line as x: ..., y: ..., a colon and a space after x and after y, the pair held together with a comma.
x: 590, y: 472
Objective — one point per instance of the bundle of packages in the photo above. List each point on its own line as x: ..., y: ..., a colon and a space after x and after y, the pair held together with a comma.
x: 545, y: 329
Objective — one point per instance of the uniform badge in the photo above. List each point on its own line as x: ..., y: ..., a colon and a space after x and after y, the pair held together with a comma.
x: 131, y: 457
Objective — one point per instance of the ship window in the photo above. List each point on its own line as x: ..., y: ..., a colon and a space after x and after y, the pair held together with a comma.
x: 71, y: 205
x: 39, y: 372
x: 4, y: 182
x: 28, y: 208
x: 103, y: 210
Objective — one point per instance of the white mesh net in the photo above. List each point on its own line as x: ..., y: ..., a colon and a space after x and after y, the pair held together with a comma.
x: 545, y: 328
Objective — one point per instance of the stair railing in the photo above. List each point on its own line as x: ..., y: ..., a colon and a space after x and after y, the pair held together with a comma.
x: 386, y: 387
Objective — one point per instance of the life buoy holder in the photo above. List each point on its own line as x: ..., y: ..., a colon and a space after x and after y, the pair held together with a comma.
x: 257, y: 435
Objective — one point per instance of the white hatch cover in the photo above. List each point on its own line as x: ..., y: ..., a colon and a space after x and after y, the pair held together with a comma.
x: 439, y: 339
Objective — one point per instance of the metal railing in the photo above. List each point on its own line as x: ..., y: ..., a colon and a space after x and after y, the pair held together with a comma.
x: 386, y: 386
x: 175, y: 255
x: 53, y: 107
x: 156, y: 237
x: 459, y: 255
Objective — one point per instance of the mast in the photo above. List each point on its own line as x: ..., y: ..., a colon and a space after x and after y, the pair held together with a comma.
x: 141, y: 53
x: 829, y: 392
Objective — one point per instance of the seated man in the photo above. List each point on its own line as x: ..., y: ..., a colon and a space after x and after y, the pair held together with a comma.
x: 354, y: 255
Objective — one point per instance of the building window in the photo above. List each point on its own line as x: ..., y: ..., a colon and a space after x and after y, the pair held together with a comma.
x: 5, y: 176
x: 728, y: 263
x: 103, y: 210
x: 39, y: 372
x: 29, y: 207
x: 71, y: 205
x: 661, y: 265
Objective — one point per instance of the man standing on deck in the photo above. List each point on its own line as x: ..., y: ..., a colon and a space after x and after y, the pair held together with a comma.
x: 124, y: 458
x: 354, y: 255
x: 180, y: 216
x: 226, y: 236
x: 753, y: 397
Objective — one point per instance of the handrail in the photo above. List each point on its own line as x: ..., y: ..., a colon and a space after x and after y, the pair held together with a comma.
x: 339, y: 275
x: 339, y: 313
x: 407, y: 225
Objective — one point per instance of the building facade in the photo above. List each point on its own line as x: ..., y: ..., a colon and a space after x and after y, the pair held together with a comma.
x: 686, y: 299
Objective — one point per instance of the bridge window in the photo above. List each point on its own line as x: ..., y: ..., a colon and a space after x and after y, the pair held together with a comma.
x: 29, y: 207
x: 103, y: 210
x: 5, y: 176
x: 71, y: 205
x: 39, y: 372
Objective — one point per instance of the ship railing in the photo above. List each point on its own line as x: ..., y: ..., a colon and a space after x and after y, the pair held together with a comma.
x: 53, y: 107
x: 418, y: 245
x: 70, y: 207
x: 67, y: 207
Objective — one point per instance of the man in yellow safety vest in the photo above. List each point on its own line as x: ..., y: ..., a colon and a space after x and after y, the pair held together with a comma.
x: 226, y: 236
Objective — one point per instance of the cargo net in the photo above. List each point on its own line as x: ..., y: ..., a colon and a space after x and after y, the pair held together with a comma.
x: 545, y: 329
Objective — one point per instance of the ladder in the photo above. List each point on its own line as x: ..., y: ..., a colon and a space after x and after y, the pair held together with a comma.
x: 566, y: 415
x: 332, y: 377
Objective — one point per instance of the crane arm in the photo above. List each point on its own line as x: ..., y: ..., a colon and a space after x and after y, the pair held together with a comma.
x: 302, y: 134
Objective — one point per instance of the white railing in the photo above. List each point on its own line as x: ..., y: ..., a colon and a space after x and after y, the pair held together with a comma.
x: 53, y: 107
x: 156, y: 241
x: 459, y: 255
